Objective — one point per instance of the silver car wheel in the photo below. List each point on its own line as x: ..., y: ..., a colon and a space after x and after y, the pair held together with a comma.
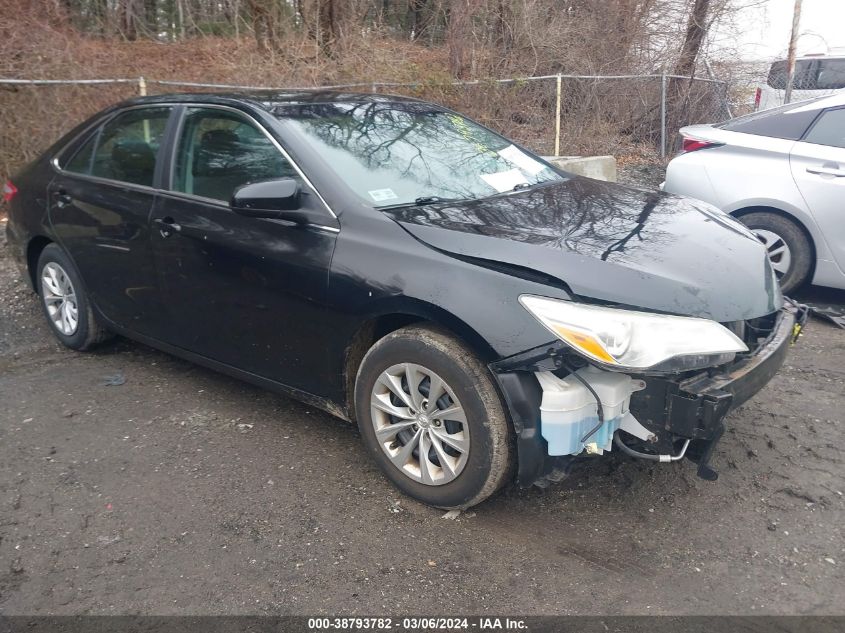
x: 779, y: 254
x: 59, y: 298
x: 420, y: 424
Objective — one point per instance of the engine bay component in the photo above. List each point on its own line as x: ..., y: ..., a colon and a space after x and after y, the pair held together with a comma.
x: 569, y: 412
x: 663, y: 459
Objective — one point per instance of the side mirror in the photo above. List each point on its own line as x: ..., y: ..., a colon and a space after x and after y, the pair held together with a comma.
x: 268, y: 199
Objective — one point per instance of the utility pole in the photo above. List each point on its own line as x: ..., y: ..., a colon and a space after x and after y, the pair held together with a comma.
x: 790, y: 57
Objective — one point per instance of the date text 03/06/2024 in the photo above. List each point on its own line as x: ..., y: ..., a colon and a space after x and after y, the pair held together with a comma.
x: 417, y: 624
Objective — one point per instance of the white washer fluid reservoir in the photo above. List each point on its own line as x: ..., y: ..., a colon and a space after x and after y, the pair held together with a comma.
x: 568, y: 410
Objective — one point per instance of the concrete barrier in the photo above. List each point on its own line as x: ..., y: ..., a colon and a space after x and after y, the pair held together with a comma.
x: 598, y: 167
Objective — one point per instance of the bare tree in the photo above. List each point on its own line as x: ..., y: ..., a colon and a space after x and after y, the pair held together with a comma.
x: 678, y: 97
x: 460, y: 33
x: 328, y: 16
x: 418, y: 17
x: 263, y: 25
x: 696, y: 30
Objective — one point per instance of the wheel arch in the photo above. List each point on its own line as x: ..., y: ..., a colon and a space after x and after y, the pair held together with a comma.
x: 738, y: 213
x: 34, y: 248
x: 394, y: 317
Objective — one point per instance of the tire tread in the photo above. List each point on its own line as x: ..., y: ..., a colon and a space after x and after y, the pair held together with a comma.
x: 790, y: 232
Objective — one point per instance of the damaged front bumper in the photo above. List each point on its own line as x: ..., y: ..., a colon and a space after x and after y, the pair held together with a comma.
x: 672, y: 408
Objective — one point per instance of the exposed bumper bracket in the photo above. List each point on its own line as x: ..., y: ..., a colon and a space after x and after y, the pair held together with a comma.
x: 705, y: 471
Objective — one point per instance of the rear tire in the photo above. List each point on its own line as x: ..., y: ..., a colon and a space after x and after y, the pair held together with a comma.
x: 777, y: 232
x: 473, y: 418
x: 65, y: 301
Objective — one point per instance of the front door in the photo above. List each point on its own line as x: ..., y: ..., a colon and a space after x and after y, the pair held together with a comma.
x: 818, y: 167
x: 246, y: 292
x: 100, y: 205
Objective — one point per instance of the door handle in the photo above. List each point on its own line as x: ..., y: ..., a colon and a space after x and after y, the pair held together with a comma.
x: 827, y: 171
x: 63, y: 199
x: 167, y: 226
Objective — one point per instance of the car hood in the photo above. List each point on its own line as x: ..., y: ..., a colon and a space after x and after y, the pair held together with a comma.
x: 611, y: 243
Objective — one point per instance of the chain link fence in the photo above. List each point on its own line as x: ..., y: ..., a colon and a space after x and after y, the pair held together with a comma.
x: 622, y: 115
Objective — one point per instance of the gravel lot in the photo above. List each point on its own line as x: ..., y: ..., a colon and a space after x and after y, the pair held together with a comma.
x: 183, y: 491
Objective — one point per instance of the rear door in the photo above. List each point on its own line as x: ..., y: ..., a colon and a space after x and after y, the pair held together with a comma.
x: 818, y: 167
x: 247, y: 292
x: 99, y: 207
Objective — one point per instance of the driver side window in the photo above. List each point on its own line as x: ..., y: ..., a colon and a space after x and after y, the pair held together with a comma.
x: 219, y: 151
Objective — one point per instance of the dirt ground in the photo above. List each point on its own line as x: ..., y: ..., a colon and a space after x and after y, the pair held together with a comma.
x: 184, y: 491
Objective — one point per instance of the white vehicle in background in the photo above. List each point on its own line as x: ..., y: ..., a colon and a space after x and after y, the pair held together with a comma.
x: 815, y: 76
x: 781, y: 172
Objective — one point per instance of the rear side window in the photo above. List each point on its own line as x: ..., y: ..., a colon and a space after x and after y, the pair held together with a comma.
x: 777, y: 76
x: 829, y: 129
x: 124, y: 148
x: 805, y: 71
x: 787, y: 122
x: 810, y: 74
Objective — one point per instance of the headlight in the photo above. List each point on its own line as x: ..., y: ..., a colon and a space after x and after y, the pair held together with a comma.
x: 630, y: 340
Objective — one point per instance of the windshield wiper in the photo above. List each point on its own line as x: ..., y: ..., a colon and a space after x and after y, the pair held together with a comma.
x: 424, y: 200
x: 434, y: 199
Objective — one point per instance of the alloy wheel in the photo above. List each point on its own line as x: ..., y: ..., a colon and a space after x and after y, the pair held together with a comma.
x: 59, y: 297
x: 779, y: 254
x: 420, y: 424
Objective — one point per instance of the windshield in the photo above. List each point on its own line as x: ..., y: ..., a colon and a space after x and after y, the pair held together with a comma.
x: 413, y: 153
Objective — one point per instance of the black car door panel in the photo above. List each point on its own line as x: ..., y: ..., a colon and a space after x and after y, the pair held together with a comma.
x: 244, y: 291
x: 104, y: 228
x: 248, y: 292
x: 99, y: 209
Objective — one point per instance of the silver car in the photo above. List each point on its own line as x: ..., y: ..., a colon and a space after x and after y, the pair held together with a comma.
x: 781, y: 172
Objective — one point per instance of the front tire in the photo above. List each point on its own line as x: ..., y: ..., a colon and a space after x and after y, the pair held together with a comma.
x: 432, y: 419
x: 65, y: 302
x: 789, y: 249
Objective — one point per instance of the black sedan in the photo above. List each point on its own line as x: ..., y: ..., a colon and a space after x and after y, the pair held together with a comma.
x: 481, y: 315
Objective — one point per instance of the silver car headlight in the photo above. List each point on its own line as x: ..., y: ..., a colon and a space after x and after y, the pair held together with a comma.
x: 630, y: 340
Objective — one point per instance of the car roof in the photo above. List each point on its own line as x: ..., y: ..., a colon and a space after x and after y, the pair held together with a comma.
x: 270, y: 99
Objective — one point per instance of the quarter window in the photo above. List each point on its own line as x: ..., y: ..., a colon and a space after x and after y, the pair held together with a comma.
x: 219, y: 151
x: 829, y: 129
x: 81, y: 161
x: 125, y: 148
